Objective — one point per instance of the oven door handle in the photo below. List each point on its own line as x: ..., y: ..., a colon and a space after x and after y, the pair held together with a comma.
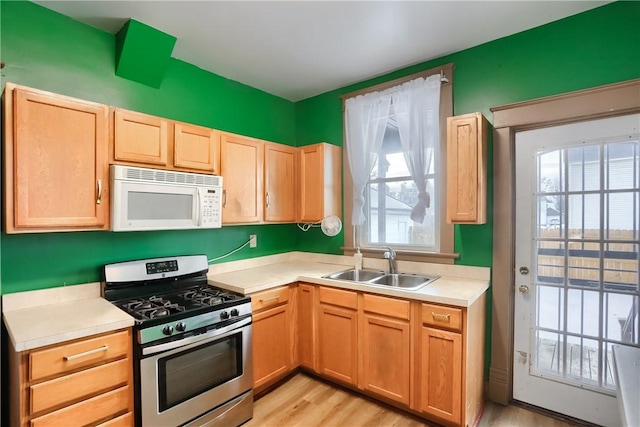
x: 196, y: 338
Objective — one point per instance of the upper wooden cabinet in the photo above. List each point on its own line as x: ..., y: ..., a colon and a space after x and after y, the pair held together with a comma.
x: 467, y: 169
x: 241, y: 161
x: 280, y: 183
x: 155, y: 142
x: 320, y: 182
x: 55, y: 162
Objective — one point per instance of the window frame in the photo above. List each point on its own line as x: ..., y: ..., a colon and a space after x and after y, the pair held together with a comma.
x: 446, y: 253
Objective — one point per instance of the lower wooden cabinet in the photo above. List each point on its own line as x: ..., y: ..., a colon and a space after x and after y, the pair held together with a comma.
x: 81, y: 382
x: 424, y: 358
x: 386, y: 347
x: 441, y: 383
x: 272, y: 335
x: 337, y: 343
x: 306, y: 323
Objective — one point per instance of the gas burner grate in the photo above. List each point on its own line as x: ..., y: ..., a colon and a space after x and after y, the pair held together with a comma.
x: 207, y: 296
x: 152, y: 307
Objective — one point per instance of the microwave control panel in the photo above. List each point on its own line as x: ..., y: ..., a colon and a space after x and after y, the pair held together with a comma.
x: 211, y: 205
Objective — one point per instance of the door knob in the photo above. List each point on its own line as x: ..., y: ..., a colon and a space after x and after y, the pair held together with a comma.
x: 524, y: 289
x: 524, y: 270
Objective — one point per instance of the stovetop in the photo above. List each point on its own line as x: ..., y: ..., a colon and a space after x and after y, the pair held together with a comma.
x: 179, y: 303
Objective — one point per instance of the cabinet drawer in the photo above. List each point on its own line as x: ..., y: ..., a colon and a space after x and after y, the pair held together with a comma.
x: 125, y: 420
x: 78, y: 354
x: 88, y: 411
x: 74, y: 387
x: 442, y: 316
x: 269, y: 298
x: 339, y: 297
x: 387, y: 306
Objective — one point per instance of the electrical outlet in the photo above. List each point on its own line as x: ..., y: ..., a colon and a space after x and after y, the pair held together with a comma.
x: 254, y: 240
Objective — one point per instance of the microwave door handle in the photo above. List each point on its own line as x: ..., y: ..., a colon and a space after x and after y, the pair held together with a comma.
x: 198, y: 208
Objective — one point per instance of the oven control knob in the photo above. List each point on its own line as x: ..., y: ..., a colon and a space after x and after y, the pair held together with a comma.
x: 167, y: 330
x: 224, y: 315
x: 234, y: 312
x: 181, y: 326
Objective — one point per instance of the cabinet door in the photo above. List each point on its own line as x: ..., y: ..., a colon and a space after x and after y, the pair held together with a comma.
x: 467, y: 169
x: 338, y: 343
x: 279, y: 179
x: 140, y: 138
x: 441, y: 378
x: 306, y: 326
x: 196, y: 147
x: 59, y: 159
x: 320, y: 180
x: 271, y: 344
x: 241, y: 167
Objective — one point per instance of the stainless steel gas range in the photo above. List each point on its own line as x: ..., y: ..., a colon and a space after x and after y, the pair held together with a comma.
x: 192, y: 344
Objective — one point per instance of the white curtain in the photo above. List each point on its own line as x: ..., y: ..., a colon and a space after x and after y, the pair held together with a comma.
x: 366, y: 119
x: 416, y: 105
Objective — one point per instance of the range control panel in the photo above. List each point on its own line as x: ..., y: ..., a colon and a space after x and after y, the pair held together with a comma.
x: 162, y: 266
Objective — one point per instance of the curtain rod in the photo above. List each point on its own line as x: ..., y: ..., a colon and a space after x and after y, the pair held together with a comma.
x: 442, y: 70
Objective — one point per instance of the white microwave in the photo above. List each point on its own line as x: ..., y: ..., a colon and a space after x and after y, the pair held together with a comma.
x: 153, y: 199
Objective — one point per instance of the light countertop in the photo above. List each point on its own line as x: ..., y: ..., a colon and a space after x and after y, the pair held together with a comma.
x: 627, y: 375
x: 458, y: 285
x: 50, y: 316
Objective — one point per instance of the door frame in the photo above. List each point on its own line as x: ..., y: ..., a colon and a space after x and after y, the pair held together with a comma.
x: 594, y: 103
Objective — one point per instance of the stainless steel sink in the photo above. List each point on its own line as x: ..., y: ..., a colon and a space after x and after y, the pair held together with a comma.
x: 406, y: 281
x: 355, y: 275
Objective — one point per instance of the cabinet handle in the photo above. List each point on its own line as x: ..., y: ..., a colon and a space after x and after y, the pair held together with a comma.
x: 268, y: 199
x: 99, y: 199
x: 224, y: 198
x: 270, y: 298
x: 86, y: 353
x: 438, y: 316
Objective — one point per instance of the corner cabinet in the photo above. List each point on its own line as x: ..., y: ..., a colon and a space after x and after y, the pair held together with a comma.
x: 87, y: 381
x: 55, y: 162
x: 320, y: 170
x: 155, y: 142
x: 467, y: 139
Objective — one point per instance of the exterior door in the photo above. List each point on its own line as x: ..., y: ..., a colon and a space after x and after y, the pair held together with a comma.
x: 577, y: 257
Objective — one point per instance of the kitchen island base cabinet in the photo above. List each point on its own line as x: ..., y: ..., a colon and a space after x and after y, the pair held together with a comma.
x: 88, y: 381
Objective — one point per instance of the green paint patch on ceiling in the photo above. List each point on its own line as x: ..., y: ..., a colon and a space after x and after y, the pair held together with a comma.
x: 143, y: 53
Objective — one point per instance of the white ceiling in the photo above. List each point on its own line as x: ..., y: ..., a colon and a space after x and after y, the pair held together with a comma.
x: 297, y: 49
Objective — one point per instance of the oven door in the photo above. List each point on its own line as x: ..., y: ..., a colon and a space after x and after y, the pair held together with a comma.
x: 183, y: 383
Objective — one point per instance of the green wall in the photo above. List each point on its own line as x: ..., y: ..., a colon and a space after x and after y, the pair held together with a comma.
x: 46, y: 50
x: 590, y: 49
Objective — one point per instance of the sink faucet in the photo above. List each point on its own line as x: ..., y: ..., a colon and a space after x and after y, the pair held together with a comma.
x: 390, y: 254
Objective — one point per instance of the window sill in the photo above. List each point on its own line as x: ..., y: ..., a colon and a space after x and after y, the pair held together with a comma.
x: 408, y: 255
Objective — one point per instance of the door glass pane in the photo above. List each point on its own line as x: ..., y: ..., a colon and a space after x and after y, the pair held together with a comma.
x: 587, y: 260
x: 551, y: 262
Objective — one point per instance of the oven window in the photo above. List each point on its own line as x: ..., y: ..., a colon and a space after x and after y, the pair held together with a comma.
x: 147, y: 205
x: 189, y: 373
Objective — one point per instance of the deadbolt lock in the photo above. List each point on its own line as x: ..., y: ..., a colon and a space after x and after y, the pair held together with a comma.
x: 524, y: 270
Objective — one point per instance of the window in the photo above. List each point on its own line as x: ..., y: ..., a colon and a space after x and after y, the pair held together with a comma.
x: 390, y: 193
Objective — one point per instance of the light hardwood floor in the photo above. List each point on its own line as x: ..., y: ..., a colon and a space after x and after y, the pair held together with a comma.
x: 305, y: 401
